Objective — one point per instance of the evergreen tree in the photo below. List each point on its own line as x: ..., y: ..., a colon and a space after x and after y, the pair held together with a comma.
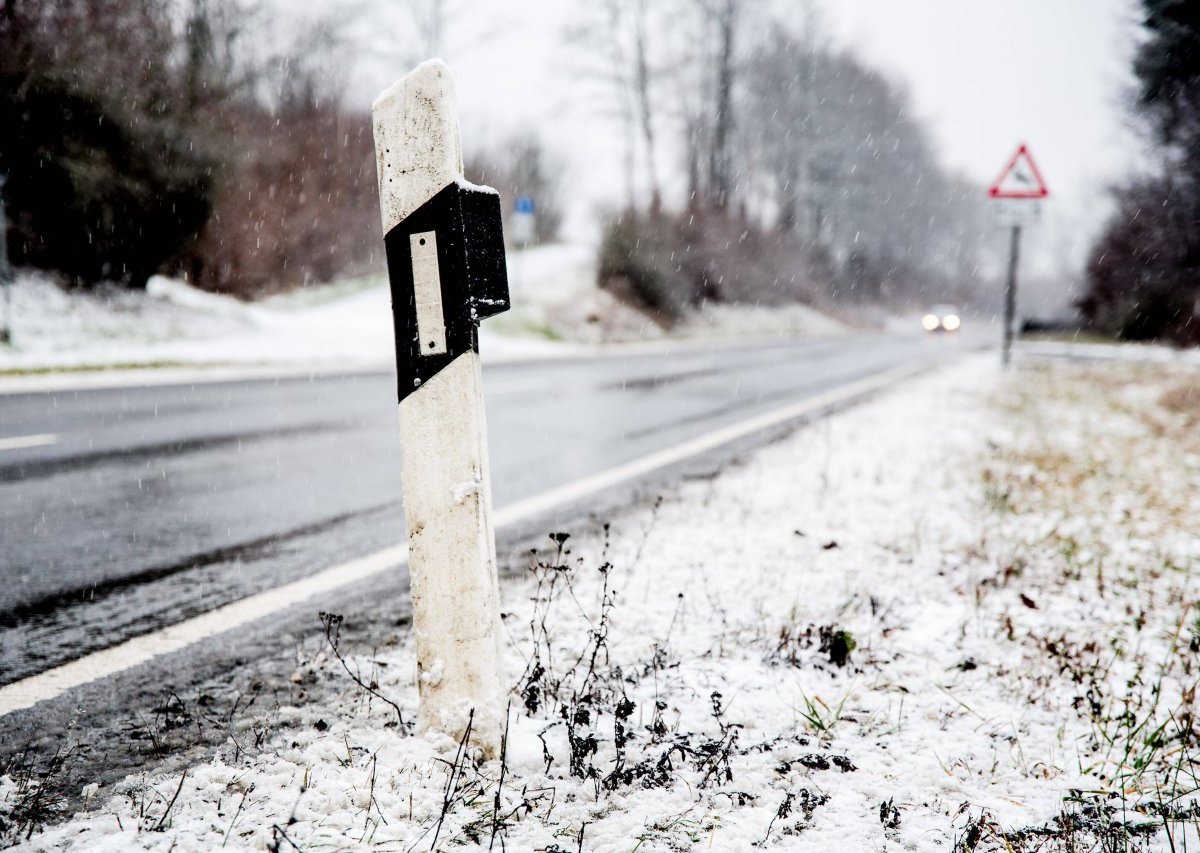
x: 1144, y: 274
x: 104, y: 182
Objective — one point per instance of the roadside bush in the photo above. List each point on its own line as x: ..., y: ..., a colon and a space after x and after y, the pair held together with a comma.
x: 296, y: 202
x: 636, y: 264
x: 669, y: 264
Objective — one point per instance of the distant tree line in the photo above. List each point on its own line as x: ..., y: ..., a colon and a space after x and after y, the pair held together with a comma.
x: 1144, y: 272
x: 145, y: 136
x: 804, y: 174
x: 207, y: 139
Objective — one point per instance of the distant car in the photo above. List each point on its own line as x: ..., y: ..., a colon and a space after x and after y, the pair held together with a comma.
x: 942, y: 318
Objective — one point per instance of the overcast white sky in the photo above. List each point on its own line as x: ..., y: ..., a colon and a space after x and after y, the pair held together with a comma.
x: 984, y: 74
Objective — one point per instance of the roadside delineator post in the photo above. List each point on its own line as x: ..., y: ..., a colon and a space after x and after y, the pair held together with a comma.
x: 445, y: 256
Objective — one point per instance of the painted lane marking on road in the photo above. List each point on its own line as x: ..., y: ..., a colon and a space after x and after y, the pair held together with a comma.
x: 54, y: 682
x: 139, y: 650
x: 16, y: 442
x: 519, y: 386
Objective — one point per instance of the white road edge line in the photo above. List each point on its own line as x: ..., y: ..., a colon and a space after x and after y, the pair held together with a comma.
x: 16, y: 442
x: 54, y: 682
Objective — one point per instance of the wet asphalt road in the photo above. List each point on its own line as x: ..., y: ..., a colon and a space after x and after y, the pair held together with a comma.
x: 159, y: 503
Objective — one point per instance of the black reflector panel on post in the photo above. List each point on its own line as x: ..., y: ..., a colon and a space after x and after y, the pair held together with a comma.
x: 462, y: 225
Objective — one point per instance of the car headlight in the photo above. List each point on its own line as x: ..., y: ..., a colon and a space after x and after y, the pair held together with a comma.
x: 951, y: 322
x: 930, y: 322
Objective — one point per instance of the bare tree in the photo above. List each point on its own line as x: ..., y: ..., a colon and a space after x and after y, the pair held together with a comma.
x: 724, y: 16
x: 431, y: 19
x: 709, y: 81
x: 645, y: 109
x: 800, y: 155
x: 615, y: 37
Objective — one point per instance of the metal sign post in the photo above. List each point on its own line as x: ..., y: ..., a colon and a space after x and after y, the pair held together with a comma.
x: 523, y: 232
x: 1010, y: 294
x: 6, y: 335
x: 1016, y: 201
x: 524, y: 221
x: 445, y: 255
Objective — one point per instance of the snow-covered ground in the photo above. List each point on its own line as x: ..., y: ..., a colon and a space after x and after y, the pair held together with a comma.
x: 557, y: 311
x: 171, y: 325
x: 959, y: 617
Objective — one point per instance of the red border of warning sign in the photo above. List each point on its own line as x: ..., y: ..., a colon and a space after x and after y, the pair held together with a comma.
x: 1040, y: 192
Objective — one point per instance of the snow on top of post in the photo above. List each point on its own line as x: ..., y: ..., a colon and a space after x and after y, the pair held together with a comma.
x: 479, y: 188
x: 417, y: 147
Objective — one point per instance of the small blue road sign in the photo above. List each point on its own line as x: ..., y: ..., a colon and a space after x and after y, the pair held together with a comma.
x: 523, y: 204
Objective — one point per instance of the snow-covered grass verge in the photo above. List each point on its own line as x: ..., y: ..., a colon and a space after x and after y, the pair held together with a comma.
x: 960, y: 617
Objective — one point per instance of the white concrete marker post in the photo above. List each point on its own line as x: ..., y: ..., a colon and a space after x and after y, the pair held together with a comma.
x: 446, y: 266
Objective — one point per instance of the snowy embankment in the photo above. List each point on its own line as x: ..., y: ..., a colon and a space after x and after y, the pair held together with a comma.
x: 172, y: 325
x: 961, y: 616
x: 557, y: 311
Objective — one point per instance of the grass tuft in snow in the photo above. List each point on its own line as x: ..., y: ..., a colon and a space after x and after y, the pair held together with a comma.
x: 331, y: 625
x: 28, y: 801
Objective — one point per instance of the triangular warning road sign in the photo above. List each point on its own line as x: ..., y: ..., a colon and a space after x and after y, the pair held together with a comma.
x: 1020, y: 178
